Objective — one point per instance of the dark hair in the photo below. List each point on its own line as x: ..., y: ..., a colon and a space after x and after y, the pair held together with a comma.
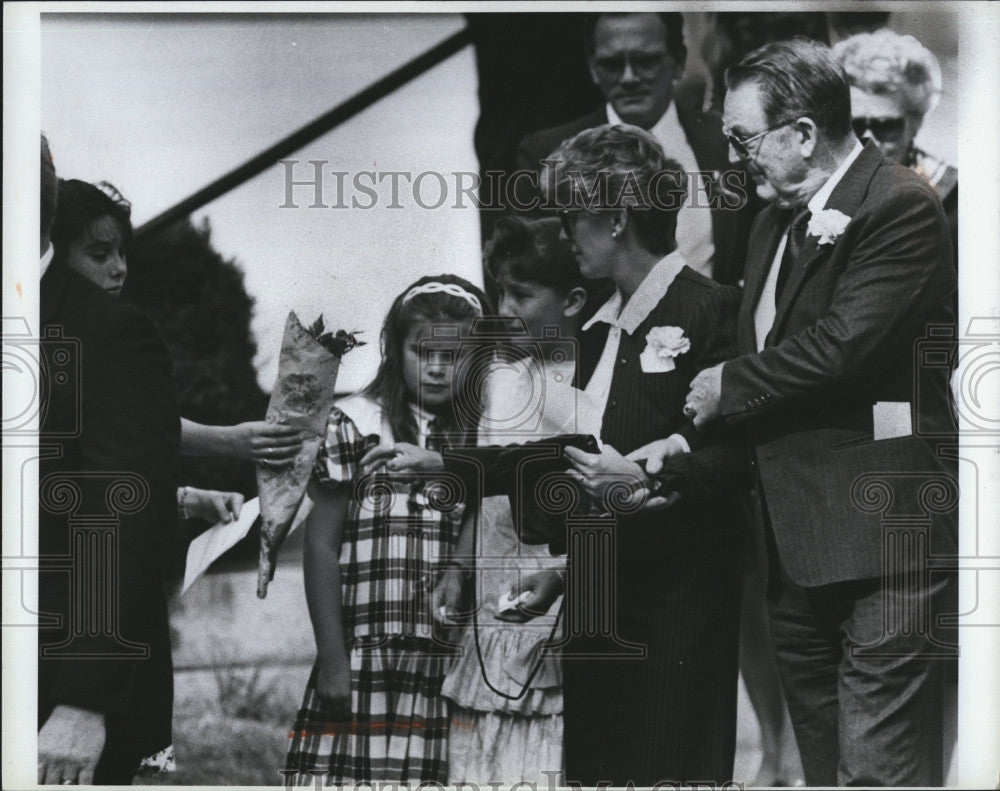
x: 49, y: 186
x: 80, y: 204
x: 389, y: 388
x: 673, y: 24
x: 532, y: 251
x: 798, y: 78
x: 622, y: 167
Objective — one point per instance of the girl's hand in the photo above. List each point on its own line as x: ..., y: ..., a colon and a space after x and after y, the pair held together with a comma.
x: 333, y: 685
x: 446, y: 598
x: 402, y: 459
x: 266, y: 443
x: 597, y: 471
x: 212, y: 506
x: 544, y: 586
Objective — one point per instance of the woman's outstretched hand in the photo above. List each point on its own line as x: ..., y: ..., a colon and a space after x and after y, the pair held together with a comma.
x: 595, y: 472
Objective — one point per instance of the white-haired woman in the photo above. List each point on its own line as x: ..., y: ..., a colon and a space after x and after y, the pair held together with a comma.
x: 895, y: 81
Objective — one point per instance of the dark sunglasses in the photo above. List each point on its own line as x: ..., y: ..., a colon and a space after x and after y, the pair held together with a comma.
x: 642, y: 63
x: 885, y: 130
x: 742, y: 145
x: 568, y: 219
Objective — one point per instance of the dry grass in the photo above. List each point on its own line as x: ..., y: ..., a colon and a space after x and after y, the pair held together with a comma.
x: 241, y: 666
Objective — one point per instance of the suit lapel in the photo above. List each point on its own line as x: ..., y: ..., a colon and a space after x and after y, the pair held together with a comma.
x: 51, y: 290
x: 845, y: 198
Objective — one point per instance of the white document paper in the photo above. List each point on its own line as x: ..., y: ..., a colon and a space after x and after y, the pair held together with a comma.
x: 219, y: 538
x: 891, y: 419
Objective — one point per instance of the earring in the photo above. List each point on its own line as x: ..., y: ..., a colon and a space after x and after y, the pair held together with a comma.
x: 616, y: 233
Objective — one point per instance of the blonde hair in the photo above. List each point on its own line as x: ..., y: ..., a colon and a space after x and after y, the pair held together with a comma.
x: 885, y: 62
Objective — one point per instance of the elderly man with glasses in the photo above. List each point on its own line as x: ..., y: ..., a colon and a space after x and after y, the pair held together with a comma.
x: 849, y: 273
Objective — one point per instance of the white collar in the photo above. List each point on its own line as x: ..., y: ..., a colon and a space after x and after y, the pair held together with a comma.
x: 818, y: 201
x: 651, y: 290
x: 46, y: 259
x: 423, y: 418
x: 665, y: 128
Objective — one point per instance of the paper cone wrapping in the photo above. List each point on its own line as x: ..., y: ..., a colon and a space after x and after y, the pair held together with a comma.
x: 302, y: 396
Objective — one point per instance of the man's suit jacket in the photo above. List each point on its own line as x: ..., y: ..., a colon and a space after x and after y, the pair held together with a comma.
x: 847, y: 335
x: 703, y: 130
x: 118, y: 421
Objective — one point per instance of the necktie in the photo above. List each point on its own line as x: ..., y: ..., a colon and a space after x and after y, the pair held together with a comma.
x: 793, y: 246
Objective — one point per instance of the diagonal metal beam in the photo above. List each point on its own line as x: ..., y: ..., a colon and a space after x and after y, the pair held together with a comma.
x: 316, y: 128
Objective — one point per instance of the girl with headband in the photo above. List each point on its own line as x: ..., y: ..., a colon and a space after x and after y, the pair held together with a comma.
x: 374, y: 548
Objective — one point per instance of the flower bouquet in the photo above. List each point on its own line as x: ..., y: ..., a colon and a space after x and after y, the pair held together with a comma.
x: 301, y: 398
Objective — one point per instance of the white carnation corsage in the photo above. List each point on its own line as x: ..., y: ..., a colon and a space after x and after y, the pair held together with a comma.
x: 827, y: 225
x: 663, y: 344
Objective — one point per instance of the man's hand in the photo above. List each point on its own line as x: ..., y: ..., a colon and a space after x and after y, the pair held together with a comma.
x: 704, y: 399
x: 69, y: 745
x: 401, y: 460
x: 597, y: 471
x: 656, y: 452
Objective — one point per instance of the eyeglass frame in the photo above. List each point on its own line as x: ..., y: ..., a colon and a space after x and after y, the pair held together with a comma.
x: 741, y: 147
x: 567, y: 217
x: 610, y: 65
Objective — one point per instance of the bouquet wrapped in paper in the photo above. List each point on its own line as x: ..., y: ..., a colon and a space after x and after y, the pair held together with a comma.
x: 301, y: 398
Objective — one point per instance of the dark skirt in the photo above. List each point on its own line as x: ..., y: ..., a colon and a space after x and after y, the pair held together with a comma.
x: 669, y: 715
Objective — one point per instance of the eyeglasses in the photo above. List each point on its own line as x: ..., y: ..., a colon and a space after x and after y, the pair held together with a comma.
x: 741, y: 146
x: 568, y: 219
x: 885, y: 130
x: 643, y: 64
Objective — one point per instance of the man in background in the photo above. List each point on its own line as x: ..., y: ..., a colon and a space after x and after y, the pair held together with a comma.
x: 637, y: 61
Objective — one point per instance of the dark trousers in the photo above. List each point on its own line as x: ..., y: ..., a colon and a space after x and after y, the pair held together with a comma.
x: 862, y: 672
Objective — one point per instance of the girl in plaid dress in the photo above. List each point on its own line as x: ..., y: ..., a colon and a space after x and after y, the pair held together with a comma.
x: 374, y: 548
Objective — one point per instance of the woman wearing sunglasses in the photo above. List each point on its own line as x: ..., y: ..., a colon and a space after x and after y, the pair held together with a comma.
x: 895, y: 81
x: 655, y: 698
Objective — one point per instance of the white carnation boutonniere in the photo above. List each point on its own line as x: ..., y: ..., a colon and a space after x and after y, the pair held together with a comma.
x: 663, y: 344
x: 827, y: 225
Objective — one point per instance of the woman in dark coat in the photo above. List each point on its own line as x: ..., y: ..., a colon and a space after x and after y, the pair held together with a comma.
x: 650, y: 694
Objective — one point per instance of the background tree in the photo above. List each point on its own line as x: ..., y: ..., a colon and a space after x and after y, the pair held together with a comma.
x: 198, y: 300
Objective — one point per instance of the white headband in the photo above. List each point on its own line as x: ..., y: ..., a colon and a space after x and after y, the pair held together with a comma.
x: 447, y: 288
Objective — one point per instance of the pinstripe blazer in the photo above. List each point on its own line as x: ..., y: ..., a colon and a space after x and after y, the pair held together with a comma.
x: 852, y: 327
x: 643, y: 407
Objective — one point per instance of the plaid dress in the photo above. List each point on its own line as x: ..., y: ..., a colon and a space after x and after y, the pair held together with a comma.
x: 393, y: 546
